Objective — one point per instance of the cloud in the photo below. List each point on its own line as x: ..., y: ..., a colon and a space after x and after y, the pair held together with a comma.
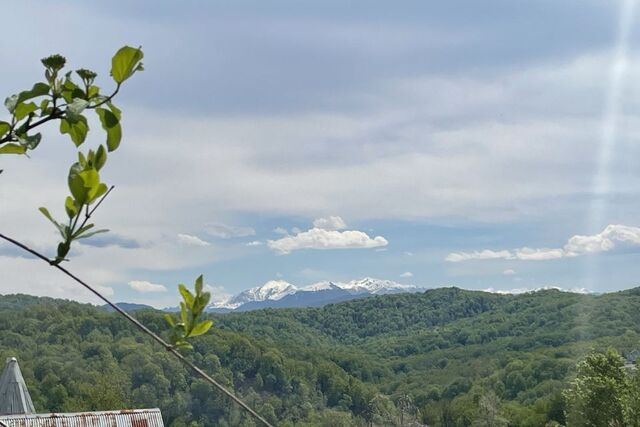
x: 188, y: 239
x: 255, y: 243
x: 407, y: 274
x: 330, y: 223
x: 318, y: 238
x: 484, y: 254
x: 612, y: 237
x: 218, y: 294
x: 529, y: 254
x: 280, y: 230
x: 225, y: 231
x: 144, y: 286
x: 111, y: 239
x: 509, y: 272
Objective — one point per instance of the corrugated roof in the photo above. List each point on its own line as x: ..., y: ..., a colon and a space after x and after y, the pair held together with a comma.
x: 125, y: 418
x: 14, y: 396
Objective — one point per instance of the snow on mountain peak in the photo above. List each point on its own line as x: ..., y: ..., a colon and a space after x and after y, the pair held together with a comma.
x: 277, y: 289
x: 321, y: 286
x: 272, y: 290
x: 376, y: 286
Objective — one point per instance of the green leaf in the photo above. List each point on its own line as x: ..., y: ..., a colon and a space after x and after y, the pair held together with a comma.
x: 206, y: 296
x: 11, y: 102
x: 115, y: 110
x: 93, y: 233
x: 61, y: 228
x: 30, y: 141
x: 70, y: 90
x: 83, y: 229
x: 39, y: 89
x: 44, y: 105
x: 183, y: 344
x: 91, y: 178
x: 77, y: 131
x: 63, y: 250
x: 184, y: 313
x: 12, y: 149
x: 75, y: 109
x: 100, y: 158
x: 201, y: 328
x: 22, y: 110
x: 126, y: 62
x: 93, y: 91
x: 169, y: 320
x: 186, y: 295
x: 46, y: 213
x: 96, y: 192
x: 70, y: 207
x: 76, y: 184
x: 199, y: 285
x: 111, y: 124
x: 4, y: 128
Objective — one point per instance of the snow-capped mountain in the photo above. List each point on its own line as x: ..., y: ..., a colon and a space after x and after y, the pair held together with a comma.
x: 278, y: 293
x: 273, y: 290
x: 376, y: 286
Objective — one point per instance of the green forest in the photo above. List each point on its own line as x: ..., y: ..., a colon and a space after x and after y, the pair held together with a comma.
x: 445, y: 357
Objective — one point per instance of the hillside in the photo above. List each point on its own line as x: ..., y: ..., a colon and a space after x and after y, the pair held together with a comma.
x: 324, y: 366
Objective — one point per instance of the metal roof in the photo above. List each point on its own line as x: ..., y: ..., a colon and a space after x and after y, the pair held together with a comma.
x: 14, y: 396
x: 125, y: 418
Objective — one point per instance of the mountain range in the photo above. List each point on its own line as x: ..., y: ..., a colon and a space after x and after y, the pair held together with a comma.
x: 282, y: 294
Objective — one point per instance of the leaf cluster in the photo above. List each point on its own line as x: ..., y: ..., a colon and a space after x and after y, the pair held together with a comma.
x: 65, y: 100
x: 189, y: 323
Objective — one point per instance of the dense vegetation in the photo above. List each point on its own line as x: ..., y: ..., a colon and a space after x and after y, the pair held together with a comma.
x: 447, y: 357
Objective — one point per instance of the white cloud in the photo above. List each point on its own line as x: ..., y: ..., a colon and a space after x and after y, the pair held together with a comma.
x: 225, y: 231
x: 484, y: 254
x: 192, y: 240
x: 529, y: 254
x: 407, y: 274
x: 318, y: 238
x: 218, y: 294
x: 280, y: 230
x: 254, y: 243
x: 330, y: 223
x: 509, y: 272
x: 612, y: 237
x: 144, y: 286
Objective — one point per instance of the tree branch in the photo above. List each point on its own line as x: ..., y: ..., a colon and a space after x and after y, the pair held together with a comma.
x: 56, y: 114
x: 143, y: 328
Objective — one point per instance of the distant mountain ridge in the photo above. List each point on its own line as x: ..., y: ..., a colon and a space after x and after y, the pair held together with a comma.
x: 128, y: 306
x: 282, y: 294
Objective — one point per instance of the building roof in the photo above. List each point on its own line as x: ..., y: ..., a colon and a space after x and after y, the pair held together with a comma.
x: 126, y: 418
x: 14, y: 396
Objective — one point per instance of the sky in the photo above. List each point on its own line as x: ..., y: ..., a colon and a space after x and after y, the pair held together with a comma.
x: 486, y: 145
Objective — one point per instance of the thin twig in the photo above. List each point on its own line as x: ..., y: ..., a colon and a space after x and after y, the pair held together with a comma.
x: 143, y: 328
x: 107, y: 99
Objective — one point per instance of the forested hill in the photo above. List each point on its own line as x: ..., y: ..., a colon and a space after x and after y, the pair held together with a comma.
x: 341, y: 364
